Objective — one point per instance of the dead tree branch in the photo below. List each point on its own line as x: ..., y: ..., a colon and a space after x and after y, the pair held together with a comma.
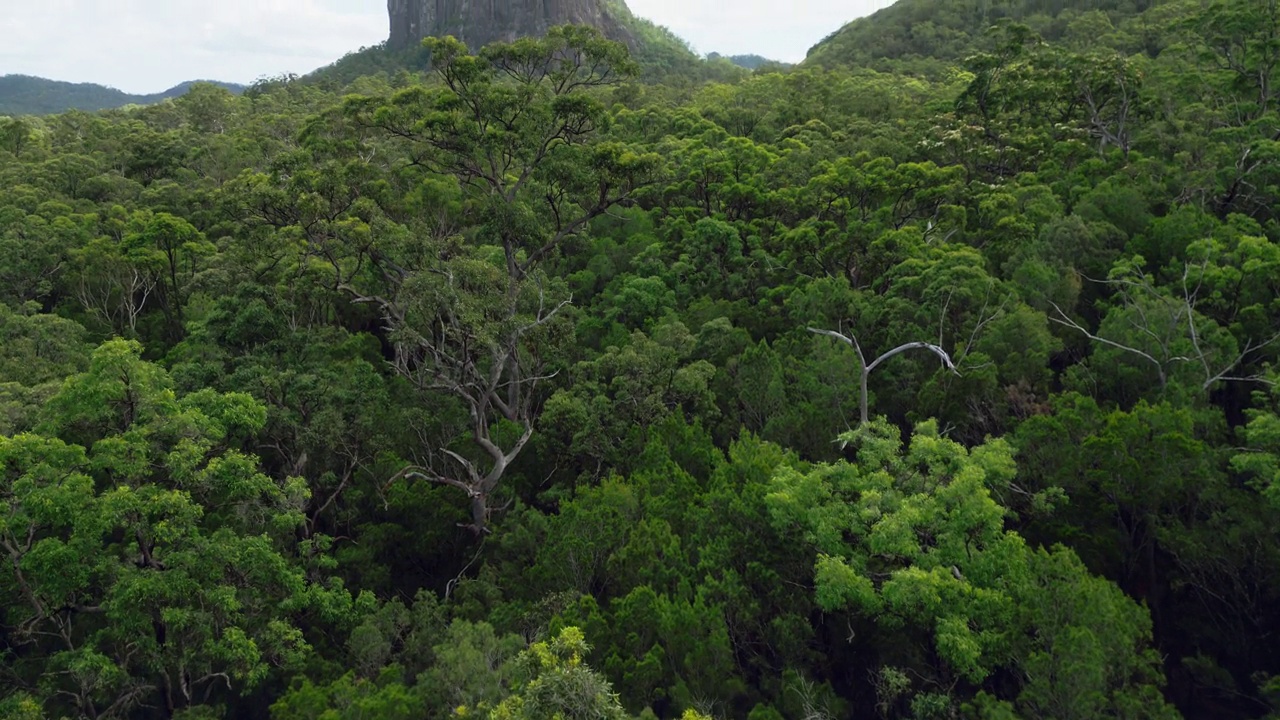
x: 867, y: 368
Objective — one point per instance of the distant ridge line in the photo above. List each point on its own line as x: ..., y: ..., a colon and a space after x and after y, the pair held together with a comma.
x: 31, y: 95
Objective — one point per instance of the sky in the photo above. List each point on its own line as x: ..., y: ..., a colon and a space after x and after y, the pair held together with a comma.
x: 146, y: 46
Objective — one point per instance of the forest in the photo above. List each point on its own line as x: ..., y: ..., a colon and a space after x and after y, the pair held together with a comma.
x: 26, y: 95
x: 932, y: 378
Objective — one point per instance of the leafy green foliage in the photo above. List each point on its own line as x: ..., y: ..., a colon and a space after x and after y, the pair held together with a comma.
x: 535, y: 294
x: 912, y: 543
x: 112, y: 541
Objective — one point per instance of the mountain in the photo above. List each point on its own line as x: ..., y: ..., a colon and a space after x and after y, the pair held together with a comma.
x: 747, y: 62
x: 950, y: 29
x: 27, y: 95
x: 663, y: 56
x: 480, y: 23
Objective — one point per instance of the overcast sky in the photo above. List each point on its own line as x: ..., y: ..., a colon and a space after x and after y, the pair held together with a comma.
x: 145, y: 46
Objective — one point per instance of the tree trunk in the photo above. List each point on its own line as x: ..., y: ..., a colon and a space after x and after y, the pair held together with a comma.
x: 866, y: 373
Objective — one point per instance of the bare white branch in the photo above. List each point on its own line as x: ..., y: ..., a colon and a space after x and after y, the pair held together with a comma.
x: 867, y: 368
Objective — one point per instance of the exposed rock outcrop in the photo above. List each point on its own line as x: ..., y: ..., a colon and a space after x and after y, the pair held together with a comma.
x: 479, y: 22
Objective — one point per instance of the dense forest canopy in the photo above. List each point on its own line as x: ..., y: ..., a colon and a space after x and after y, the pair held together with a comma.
x: 921, y: 381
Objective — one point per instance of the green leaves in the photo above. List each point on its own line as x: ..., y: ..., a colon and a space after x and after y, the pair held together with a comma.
x: 911, y: 541
x: 37, y: 352
x: 577, y: 306
x: 350, y: 698
x: 1241, y: 38
x: 841, y: 587
x: 152, y: 562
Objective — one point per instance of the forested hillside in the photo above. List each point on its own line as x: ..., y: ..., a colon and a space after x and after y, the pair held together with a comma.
x: 519, y: 388
x: 26, y: 95
x: 916, y: 34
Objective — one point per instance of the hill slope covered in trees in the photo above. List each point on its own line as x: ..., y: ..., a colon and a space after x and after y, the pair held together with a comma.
x: 951, y: 30
x: 943, y: 388
x: 26, y: 95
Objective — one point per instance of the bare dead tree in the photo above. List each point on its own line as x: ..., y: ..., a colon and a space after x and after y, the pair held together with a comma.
x: 495, y: 377
x: 868, y: 368
x: 115, y: 292
x: 1172, y: 327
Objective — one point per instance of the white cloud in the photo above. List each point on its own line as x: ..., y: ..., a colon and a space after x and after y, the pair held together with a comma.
x: 777, y: 30
x: 145, y: 46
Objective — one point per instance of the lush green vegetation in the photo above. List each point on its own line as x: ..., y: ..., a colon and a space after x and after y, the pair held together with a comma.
x: 520, y: 389
x: 921, y: 36
x: 26, y: 95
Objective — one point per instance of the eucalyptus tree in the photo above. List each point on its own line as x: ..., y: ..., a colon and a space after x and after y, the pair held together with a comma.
x: 445, y: 201
x: 146, y: 557
x: 869, y: 367
x: 911, y: 547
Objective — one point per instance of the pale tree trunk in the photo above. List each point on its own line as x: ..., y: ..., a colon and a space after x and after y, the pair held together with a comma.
x: 867, y: 368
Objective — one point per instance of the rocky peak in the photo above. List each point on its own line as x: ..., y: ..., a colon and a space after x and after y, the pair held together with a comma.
x: 479, y: 22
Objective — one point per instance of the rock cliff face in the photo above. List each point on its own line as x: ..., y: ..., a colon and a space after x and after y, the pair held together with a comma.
x: 479, y: 22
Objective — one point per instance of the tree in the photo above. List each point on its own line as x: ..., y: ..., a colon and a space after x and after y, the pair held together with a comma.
x: 867, y: 368
x: 15, y: 134
x: 516, y: 129
x: 553, y: 681
x: 1108, y: 86
x: 1151, y: 505
x: 1241, y: 39
x: 910, y: 543
x: 115, y: 280
x: 144, y: 553
x: 37, y: 352
x: 1164, y: 329
x: 165, y: 252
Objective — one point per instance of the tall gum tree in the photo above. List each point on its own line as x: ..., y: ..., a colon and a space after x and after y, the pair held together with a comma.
x: 488, y: 171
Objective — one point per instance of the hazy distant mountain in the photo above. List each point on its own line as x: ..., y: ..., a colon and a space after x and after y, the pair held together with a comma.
x: 27, y: 95
x: 750, y: 62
